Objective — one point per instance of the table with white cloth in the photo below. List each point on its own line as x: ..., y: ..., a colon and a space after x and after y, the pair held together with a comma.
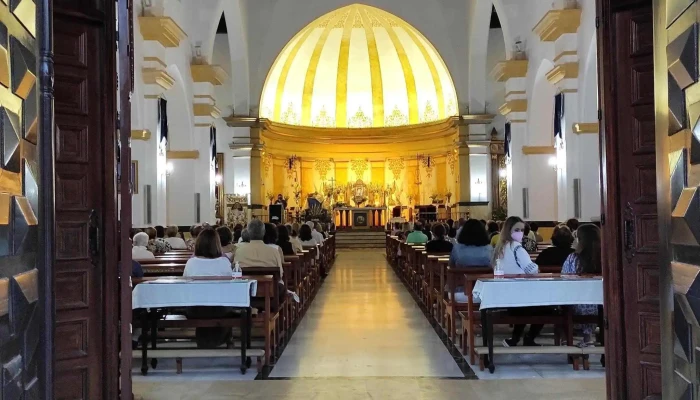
x: 502, y: 293
x: 192, y: 292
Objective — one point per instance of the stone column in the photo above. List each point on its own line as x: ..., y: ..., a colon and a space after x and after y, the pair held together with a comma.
x: 257, y: 197
x: 464, y: 190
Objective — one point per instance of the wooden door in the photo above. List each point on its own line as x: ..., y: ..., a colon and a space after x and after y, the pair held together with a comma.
x: 678, y: 149
x: 86, y: 274
x: 630, y: 226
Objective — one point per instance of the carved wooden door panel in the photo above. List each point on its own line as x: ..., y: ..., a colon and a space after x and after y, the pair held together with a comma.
x: 637, y: 199
x: 85, y: 272
x: 681, y: 155
x: 19, y: 292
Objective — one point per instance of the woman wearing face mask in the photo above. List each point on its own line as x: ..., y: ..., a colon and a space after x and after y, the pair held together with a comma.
x: 514, y: 260
x: 513, y: 257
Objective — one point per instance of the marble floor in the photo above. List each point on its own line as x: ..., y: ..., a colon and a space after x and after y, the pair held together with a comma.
x: 364, y: 337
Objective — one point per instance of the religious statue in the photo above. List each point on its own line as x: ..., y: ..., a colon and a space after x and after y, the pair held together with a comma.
x: 359, y: 193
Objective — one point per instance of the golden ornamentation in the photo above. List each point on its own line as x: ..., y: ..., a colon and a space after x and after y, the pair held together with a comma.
x: 164, y: 30
x: 213, y: 74
x: 322, y: 167
x: 359, y: 120
x: 502, y: 185
x: 508, y: 69
x: 267, y: 163
x: 301, y: 36
x: 323, y: 120
x: 452, y: 161
x: 396, y: 166
x: 563, y: 71
x: 556, y: 23
x: 452, y: 108
x: 396, y: 118
x: 290, y: 116
x: 429, y: 113
x: 427, y: 166
x: 359, y: 167
x: 529, y: 150
x: 182, y: 154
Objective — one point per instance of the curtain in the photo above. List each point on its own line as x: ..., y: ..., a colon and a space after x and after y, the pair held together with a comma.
x: 558, y: 115
x: 506, y: 143
x: 162, y: 122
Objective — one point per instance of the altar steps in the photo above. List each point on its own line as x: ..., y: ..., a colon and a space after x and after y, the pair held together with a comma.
x: 360, y: 240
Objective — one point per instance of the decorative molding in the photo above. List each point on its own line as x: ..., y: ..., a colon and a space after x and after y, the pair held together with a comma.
x: 163, y: 30
x: 151, y: 96
x: 242, y: 122
x: 203, y: 125
x: 563, y: 71
x: 205, y: 97
x: 160, y: 77
x: 156, y: 60
x: 564, y: 54
x: 586, y: 127
x: 359, y: 167
x: 508, y: 69
x: 396, y: 166
x: 515, y: 93
x: 517, y: 121
x: 518, y: 105
x: 556, y: 23
x: 569, y: 90
x: 213, y: 74
x: 141, y: 134
x: 182, y: 154
x: 476, y: 119
x: 206, y: 110
x: 536, y: 150
x: 322, y: 167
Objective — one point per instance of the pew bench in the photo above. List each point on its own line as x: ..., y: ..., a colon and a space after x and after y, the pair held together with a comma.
x: 577, y: 353
x: 181, y: 353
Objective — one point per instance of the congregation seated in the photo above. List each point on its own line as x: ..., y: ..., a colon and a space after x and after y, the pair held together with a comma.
x: 228, y: 247
x: 156, y: 242
x: 194, y: 231
x: 417, y: 236
x: 270, y: 238
x: 494, y: 232
x: 256, y: 253
x: 319, y: 228
x: 528, y: 243
x: 318, y: 236
x: 208, y: 260
x: 245, y: 236
x: 513, y: 259
x: 176, y: 242
x: 284, y: 242
x: 534, y: 235
x: 140, y: 249
x: 472, y: 248
x: 562, y: 239
x: 439, y: 244
x: 294, y: 237
x: 586, y: 260
x: 237, y: 235
x: 573, y: 224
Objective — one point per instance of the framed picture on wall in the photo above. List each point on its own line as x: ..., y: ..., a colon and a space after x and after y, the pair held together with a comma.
x: 134, y: 177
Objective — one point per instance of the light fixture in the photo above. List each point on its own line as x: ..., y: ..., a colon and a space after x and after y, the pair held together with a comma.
x: 218, y: 179
x: 169, y: 168
x: 502, y: 173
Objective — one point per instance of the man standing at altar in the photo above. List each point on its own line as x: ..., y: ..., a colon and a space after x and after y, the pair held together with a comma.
x: 282, y: 201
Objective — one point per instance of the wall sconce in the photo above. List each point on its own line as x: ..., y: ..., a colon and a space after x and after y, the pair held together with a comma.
x: 218, y: 179
x: 169, y: 168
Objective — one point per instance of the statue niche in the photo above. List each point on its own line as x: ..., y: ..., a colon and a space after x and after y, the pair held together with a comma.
x: 359, y: 193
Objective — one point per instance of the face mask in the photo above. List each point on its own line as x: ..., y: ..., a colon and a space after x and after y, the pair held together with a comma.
x: 517, y: 236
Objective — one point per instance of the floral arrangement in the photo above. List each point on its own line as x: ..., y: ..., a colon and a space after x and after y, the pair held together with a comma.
x: 296, y: 192
x: 270, y: 196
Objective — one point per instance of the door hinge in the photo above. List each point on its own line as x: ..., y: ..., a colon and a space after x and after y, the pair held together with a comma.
x: 600, y: 115
x: 602, y: 219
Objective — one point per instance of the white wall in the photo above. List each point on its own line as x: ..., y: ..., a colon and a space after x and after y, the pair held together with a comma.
x: 495, y: 91
x: 273, y: 23
x: 479, y: 170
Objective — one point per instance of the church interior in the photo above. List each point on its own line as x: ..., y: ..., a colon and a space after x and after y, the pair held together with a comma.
x: 330, y: 199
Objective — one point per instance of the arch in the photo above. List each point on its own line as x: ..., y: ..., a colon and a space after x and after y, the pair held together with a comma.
x: 180, y: 118
x: 589, y: 85
x: 479, y: 48
x: 540, y: 114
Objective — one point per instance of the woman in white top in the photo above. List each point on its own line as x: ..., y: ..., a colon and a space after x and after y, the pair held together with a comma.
x: 140, y: 249
x: 208, y: 259
x: 307, y: 238
x: 294, y: 238
x: 515, y: 260
x: 176, y: 243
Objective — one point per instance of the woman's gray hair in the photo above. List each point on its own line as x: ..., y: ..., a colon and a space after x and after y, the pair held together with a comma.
x: 141, y: 239
x: 245, y: 236
x: 256, y: 229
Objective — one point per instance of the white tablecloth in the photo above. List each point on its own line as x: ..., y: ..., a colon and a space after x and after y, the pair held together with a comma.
x: 503, y: 293
x: 186, y: 293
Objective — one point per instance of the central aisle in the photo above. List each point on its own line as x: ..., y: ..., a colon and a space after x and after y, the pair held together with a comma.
x: 364, y: 323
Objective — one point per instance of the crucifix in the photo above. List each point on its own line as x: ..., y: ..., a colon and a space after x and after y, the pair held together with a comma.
x: 332, y: 181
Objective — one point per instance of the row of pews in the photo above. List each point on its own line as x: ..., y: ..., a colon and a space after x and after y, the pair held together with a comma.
x: 437, y: 287
x: 274, y: 316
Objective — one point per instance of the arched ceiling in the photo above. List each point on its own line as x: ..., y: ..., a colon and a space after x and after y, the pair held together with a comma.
x: 358, y: 67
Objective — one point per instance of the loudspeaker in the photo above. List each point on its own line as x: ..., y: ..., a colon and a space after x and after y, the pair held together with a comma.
x: 526, y: 203
x: 148, y: 205
x: 577, y: 198
x: 197, y: 211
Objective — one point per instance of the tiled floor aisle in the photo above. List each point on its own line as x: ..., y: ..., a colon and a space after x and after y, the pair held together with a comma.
x: 364, y: 323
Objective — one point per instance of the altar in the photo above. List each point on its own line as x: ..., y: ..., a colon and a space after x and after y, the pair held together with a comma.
x: 359, y: 218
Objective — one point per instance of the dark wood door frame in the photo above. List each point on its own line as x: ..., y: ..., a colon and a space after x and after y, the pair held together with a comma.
x: 621, y: 378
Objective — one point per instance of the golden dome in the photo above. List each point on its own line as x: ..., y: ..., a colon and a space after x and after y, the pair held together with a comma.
x: 358, y: 67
